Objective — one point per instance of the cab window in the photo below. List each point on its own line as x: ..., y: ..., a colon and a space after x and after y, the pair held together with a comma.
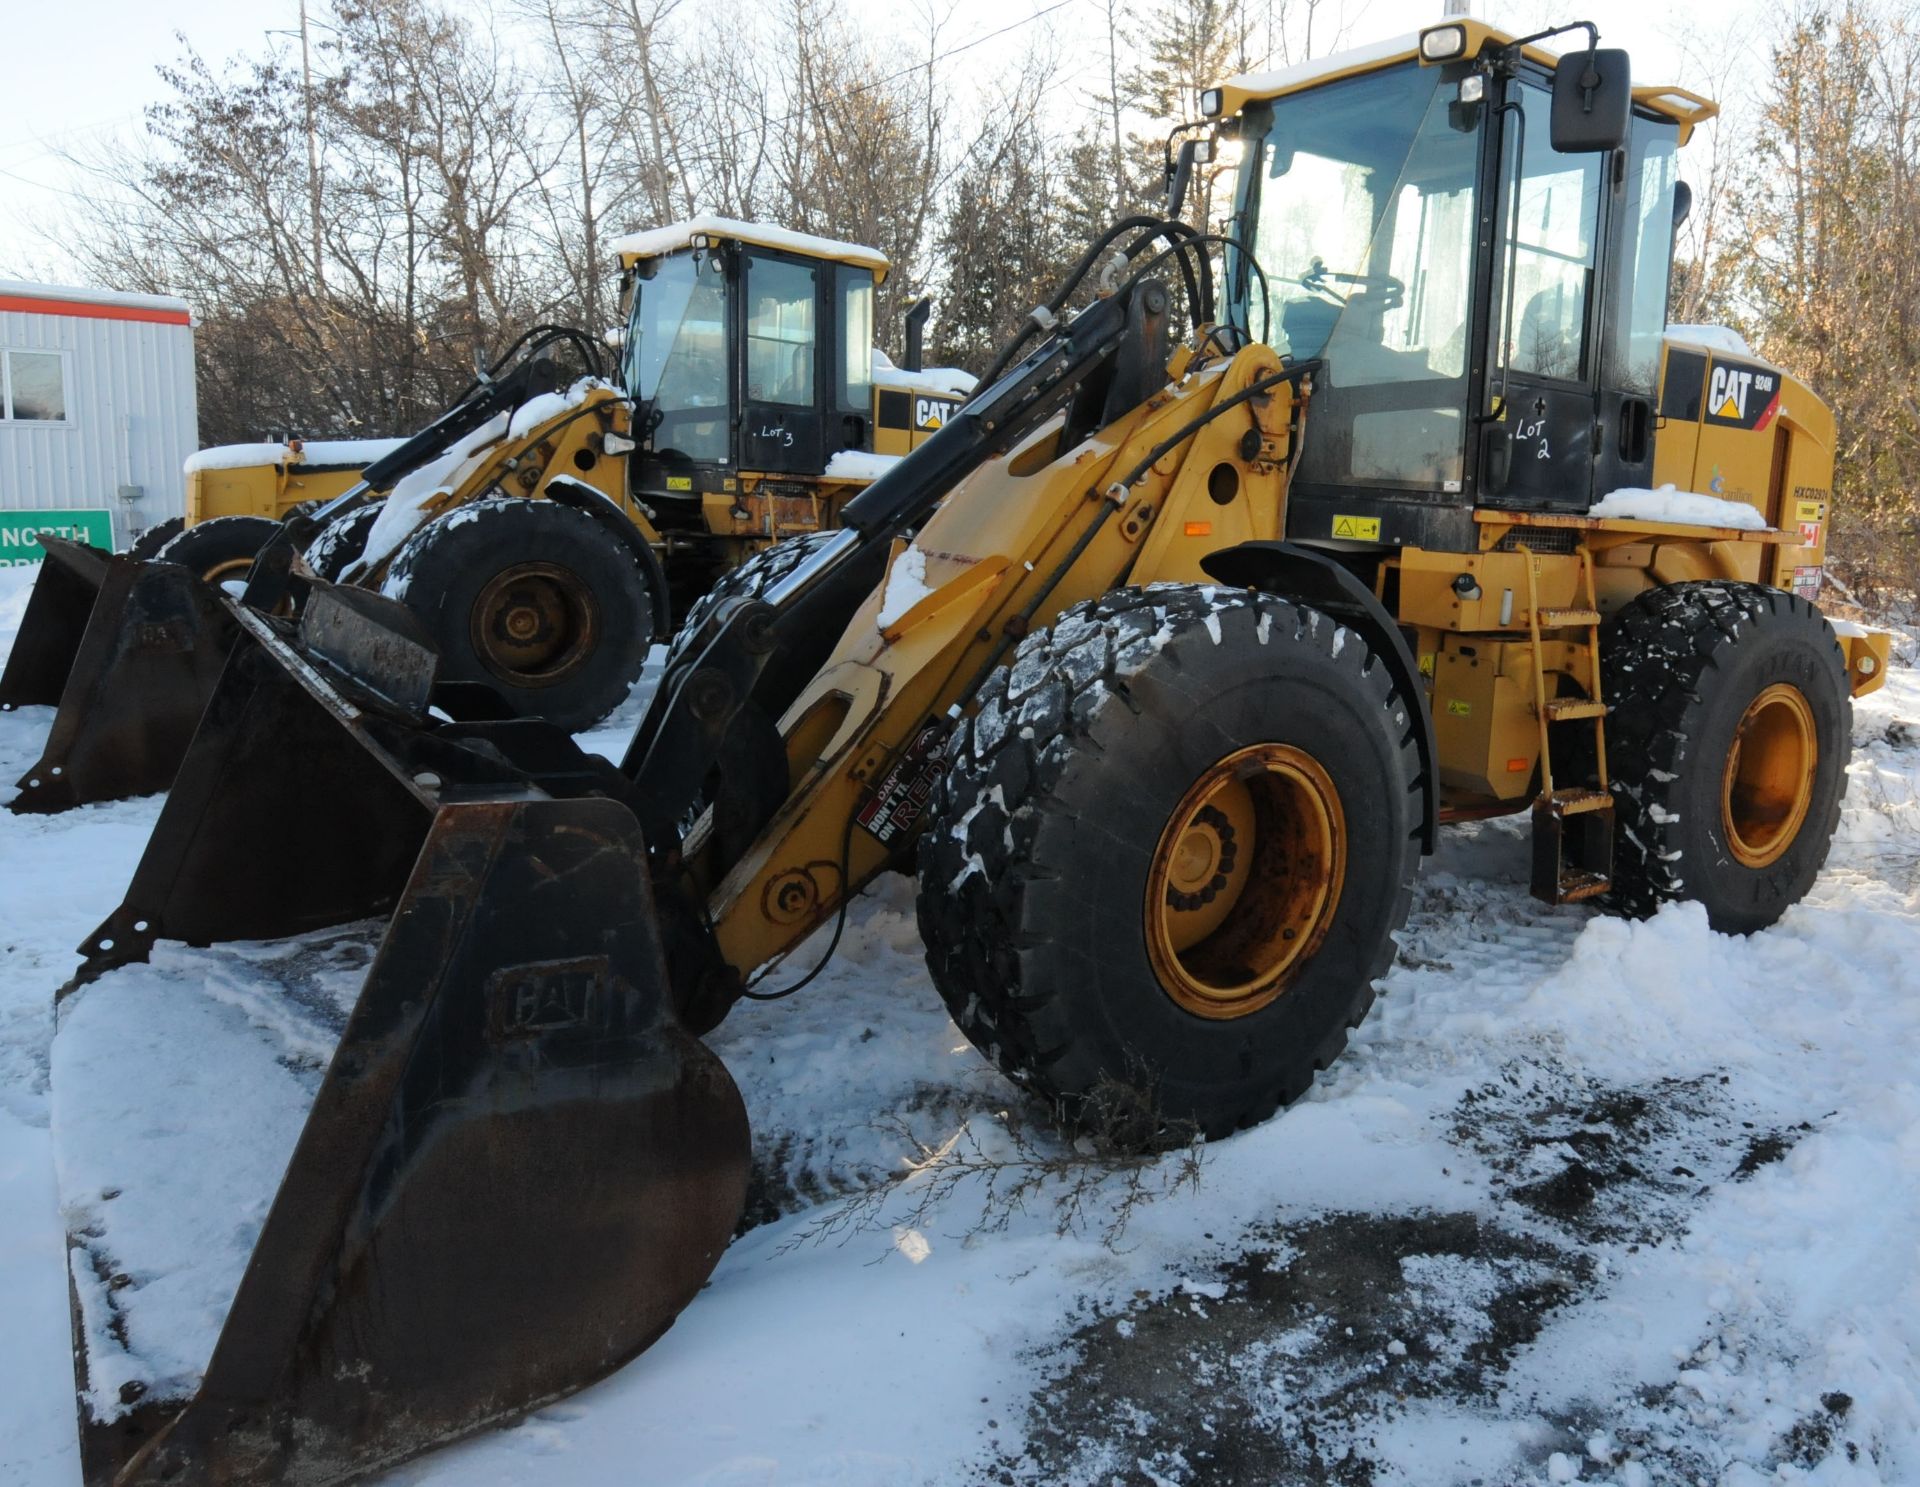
x: 1640, y: 310
x: 1364, y: 224
x: 856, y: 338
x: 1553, y: 224
x: 676, y: 356
x: 780, y: 332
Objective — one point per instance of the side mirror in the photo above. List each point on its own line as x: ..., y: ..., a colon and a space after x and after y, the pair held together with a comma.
x: 1592, y: 101
x: 1192, y: 152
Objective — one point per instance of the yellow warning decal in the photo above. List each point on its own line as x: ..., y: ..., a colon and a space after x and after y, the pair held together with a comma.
x: 1426, y: 664
x: 1807, y: 511
x: 679, y: 482
x: 1458, y: 708
x: 1358, y: 528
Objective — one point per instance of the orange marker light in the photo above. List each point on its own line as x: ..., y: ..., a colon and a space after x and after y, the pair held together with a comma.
x: 1199, y: 529
x: 1514, y: 766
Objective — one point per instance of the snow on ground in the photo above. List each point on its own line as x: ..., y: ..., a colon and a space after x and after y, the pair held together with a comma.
x: 1586, y: 1200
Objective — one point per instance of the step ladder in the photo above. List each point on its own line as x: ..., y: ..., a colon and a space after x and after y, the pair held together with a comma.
x: 1572, y: 826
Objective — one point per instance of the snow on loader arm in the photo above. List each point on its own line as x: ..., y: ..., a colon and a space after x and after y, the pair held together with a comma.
x: 517, y: 1166
x: 128, y: 650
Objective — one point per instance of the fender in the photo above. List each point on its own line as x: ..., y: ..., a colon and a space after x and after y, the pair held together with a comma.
x: 583, y: 497
x: 1313, y: 578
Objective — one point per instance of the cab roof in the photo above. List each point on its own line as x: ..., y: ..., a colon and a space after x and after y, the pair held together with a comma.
x: 1681, y: 105
x: 635, y: 247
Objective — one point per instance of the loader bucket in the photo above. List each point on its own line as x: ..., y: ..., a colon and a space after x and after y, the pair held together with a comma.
x: 63, y: 593
x: 129, y: 651
x: 517, y: 1166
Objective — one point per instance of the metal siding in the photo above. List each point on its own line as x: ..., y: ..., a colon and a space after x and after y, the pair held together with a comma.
x: 132, y: 417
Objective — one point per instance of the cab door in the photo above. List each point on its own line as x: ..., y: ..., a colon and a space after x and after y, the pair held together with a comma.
x: 782, y: 366
x: 1544, y: 385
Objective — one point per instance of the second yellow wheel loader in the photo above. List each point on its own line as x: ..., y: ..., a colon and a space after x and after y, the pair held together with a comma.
x: 560, y: 508
x: 1162, y: 661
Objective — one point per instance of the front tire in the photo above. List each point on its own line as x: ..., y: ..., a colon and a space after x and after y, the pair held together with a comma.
x: 1727, y: 749
x: 748, y: 580
x: 1170, y: 852
x: 341, y: 541
x: 222, y: 550
x: 535, y: 599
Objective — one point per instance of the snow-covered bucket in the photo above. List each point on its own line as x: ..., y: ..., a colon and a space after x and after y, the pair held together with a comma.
x: 336, y: 1199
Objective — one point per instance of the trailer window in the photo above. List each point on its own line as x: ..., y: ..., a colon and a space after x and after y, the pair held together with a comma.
x: 36, y: 387
x: 780, y: 335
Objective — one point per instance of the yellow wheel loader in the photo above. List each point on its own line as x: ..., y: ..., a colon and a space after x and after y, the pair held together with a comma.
x: 762, y: 407
x: 1162, y: 661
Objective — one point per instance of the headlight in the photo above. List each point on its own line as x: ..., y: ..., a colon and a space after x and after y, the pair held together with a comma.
x: 1443, y: 43
x: 1211, y: 102
x: 1473, y: 88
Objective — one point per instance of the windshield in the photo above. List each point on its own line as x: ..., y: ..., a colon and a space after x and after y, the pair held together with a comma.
x: 676, y: 355
x: 1359, y: 206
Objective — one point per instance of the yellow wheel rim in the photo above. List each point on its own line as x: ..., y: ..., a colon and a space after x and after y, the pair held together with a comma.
x: 1244, y: 880
x: 228, y: 571
x: 1768, y: 783
x: 535, y: 624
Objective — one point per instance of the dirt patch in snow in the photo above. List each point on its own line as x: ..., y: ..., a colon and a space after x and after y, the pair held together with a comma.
x: 1307, y: 1344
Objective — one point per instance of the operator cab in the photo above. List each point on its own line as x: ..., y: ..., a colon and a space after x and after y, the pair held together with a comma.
x: 746, y: 349
x: 1485, y: 282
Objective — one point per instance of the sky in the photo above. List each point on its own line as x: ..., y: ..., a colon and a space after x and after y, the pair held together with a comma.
x: 88, y: 100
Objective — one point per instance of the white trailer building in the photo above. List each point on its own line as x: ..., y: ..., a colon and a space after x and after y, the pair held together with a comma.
x: 97, y: 413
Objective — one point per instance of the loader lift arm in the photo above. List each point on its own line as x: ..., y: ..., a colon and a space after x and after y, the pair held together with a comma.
x: 532, y: 372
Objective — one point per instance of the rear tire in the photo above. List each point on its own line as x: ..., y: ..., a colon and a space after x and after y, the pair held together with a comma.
x: 1101, y: 779
x: 341, y: 541
x: 221, y: 551
x: 535, y: 599
x: 1691, y: 671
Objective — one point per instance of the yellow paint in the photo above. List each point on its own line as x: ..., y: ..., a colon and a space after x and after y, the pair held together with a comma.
x: 1685, y: 108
